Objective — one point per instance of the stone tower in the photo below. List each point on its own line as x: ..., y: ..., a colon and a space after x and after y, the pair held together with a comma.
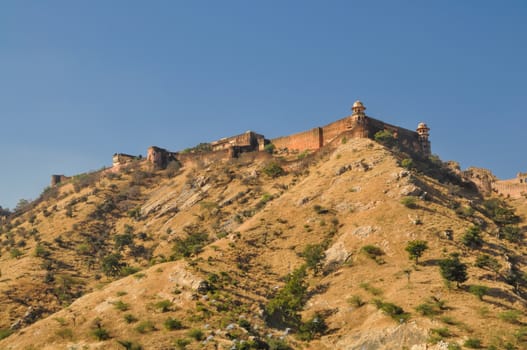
x: 423, y: 131
x: 359, y: 120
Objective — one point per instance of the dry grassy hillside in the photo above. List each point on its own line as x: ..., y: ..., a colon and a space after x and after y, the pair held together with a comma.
x: 238, y: 255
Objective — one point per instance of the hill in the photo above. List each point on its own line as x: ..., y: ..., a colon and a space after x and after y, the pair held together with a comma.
x: 284, y: 251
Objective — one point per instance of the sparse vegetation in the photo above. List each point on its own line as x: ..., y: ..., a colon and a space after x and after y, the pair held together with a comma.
x: 172, y: 324
x: 392, y: 310
x: 273, y: 170
x: 479, y: 291
x: 373, y: 252
x: 409, y: 202
x: 145, y: 327
x: 416, y: 249
x: 453, y: 270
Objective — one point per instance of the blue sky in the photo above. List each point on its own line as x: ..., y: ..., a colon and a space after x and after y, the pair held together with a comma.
x: 81, y: 80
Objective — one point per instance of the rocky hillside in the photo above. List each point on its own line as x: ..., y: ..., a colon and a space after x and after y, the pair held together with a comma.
x: 354, y: 247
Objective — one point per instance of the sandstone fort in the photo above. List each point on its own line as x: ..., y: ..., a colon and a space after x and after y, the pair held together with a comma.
x: 356, y: 125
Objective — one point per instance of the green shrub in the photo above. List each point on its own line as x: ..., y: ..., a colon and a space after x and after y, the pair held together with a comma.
x: 15, y: 253
x: 453, y: 270
x: 356, y: 300
x: 486, y: 261
x: 385, y: 137
x: 41, y: 251
x: 371, y: 289
x: 373, y: 252
x: 284, y: 307
x: 511, y: 316
x: 5, y: 332
x: 409, y: 202
x: 172, y: 324
x: 407, y: 163
x: 129, y: 318
x: 313, y: 254
x: 145, y: 327
x: 196, y: 333
x: 472, y: 343
x: 273, y: 170
x: 65, y: 333
x: 121, y: 306
x: 100, y: 333
x: 130, y: 345
x: 511, y: 233
x: 163, y: 305
x: 472, y: 237
x: 278, y: 344
x: 312, y: 328
x: 392, y: 310
x: 181, y: 343
x: 269, y: 148
x: 193, y: 244
x: 453, y: 346
x: 479, y: 291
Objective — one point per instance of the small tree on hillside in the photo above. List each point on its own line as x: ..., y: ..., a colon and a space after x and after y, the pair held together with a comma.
x: 385, y: 137
x: 453, y: 270
x: 416, y: 249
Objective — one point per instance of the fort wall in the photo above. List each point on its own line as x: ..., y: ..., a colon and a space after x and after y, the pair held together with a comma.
x: 308, y: 140
x: 510, y: 188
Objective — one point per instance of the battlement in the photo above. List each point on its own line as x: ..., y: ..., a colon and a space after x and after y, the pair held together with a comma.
x: 357, y: 125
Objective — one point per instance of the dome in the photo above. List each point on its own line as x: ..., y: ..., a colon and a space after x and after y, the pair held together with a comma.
x: 422, y: 126
x: 358, y: 104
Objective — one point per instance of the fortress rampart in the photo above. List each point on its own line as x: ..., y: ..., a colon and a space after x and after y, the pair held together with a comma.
x: 357, y: 125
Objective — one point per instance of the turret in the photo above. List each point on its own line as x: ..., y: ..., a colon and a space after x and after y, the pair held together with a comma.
x: 424, y: 131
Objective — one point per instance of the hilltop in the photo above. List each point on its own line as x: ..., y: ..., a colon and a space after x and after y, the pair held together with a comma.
x: 299, y: 250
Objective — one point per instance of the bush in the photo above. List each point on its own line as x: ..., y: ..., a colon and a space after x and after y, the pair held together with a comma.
x: 284, y: 307
x: 181, y: 343
x: 269, y: 148
x: 453, y: 270
x: 373, y: 252
x: 196, y: 334
x: 172, y: 324
x: 5, y: 332
x: 512, y: 233
x: 385, y: 137
x: 314, y: 327
x: 392, y: 310
x: 163, y: 305
x: 472, y: 237
x: 273, y: 170
x: 130, y: 345
x: 129, y: 318
x: 407, y: 163
x: 510, y: 316
x: 371, y: 289
x: 486, y: 261
x: 101, y: 333
x: 472, y: 343
x: 193, y: 244
x: 121, y: 306
x: 313, y: 255
x: 111, y: 264
x: 409, y: 202
x: 15, y: 253
x: 145, y: 327
x: 479, y: 291
x: 356, y: 301
x: 41, y: 251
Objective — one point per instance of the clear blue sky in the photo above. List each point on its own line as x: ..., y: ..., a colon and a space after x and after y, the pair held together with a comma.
x: 81, y: 80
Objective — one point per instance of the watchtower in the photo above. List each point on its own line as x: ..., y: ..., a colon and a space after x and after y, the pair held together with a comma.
x: 424, y: 131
